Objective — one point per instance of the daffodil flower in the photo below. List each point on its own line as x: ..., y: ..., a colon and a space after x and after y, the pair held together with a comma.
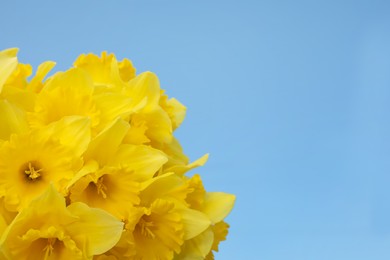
x: 48, y: 229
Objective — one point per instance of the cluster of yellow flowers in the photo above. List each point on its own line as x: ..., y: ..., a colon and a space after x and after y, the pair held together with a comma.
x: 90, y: 169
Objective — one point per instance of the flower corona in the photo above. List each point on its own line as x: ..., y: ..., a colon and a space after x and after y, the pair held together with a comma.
x: 90, y: 167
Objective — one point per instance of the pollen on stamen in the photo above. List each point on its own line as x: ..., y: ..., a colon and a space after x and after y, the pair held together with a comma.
x: 102, y: 189
x: 145, y: 228
x: 32, y: 171
x: 49, y: 248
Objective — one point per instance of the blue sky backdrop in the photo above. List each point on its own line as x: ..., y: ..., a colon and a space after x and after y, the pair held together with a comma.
x: 290, y: 98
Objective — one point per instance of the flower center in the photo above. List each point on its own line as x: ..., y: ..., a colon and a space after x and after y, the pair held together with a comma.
x: 101, y: 188
x: 49, y: 248
x: 146, y: 228
x: 32, y: 171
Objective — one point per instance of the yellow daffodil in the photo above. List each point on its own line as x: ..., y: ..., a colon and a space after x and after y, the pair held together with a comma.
x: 216, y: 206
x: 155, y: 232
x: 111, y: 189
x: 65, y: 94
x: 149, y: 122
x: 48, y: 229
x: 106, y: 71
x: 173, y: 188
x: 114, y: 185
x: 159, y: 232
x: 29, y: 162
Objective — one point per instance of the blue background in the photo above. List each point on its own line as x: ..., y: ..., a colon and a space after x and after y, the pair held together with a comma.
x: 290, y: 98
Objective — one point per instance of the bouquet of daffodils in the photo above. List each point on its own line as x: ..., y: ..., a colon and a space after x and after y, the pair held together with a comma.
x: 90, y: 169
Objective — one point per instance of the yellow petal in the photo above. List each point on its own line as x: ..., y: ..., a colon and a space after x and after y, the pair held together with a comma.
x: 72, y: 80
x: 168, y: 186
x: 181, y: 169
x: 41, y: 213
x: 105, y: 70
x: 136, y: 134
x: 144, y: 161
x: 195, y: 222
x: 18, y: 78
x: 89, y: 167
x: 198, y: 247
x: 112, y: 105
x: 126, y: 70
x: 196, y: 197
x: 178, y: 112
x: 104, y: 146
x: 8, y: 63
x: 72, y: 132
x: 3, y: 224
x: 175, y: 110
x: 220, y: 231
x: 159, y: 125
x: 35, y: 84
x: 144, y: 86
x: 20, y: 97
x: 12, y: 118
x: 175, y: 153
x: 96, y: 229
x: 40, y: 206
x: 217, y: 205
